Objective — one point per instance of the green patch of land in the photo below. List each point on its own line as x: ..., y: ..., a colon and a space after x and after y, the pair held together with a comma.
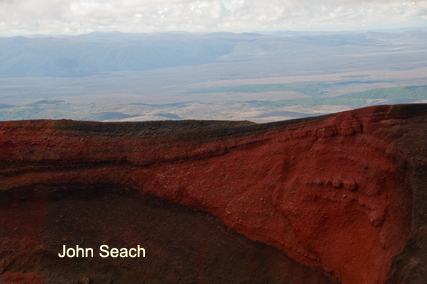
x: 393, y: 95
x: 311, y: 102
x: 415, y: 93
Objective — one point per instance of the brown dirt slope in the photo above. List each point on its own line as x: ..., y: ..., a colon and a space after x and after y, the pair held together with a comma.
x: 333, y: 199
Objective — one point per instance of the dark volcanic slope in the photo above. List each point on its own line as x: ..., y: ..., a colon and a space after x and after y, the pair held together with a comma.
x: 340, y: 198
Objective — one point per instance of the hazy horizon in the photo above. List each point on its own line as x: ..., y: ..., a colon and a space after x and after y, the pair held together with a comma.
x: 208, y: 59
x: 287, y: 33
x: 52, y: 17
x: 178, y: 75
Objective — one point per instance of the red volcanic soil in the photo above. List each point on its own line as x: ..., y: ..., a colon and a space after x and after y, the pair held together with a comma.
x: 333, y: 199
x: 20, y: 278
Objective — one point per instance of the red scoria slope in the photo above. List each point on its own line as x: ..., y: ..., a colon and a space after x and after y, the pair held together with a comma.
x: 341, y: 193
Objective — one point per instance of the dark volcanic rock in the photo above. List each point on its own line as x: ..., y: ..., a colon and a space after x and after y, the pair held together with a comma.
x: 333, y: 199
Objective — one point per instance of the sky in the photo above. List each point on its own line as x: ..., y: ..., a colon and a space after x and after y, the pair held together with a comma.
x: 70, y: 17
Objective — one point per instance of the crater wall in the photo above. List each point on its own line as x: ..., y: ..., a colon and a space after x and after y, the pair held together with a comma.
x: 333, y: 199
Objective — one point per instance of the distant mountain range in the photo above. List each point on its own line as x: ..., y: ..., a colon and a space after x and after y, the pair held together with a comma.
x: 94, y: 53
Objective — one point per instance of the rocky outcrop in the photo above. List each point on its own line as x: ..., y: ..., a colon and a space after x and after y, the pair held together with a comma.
x: 333, y: 199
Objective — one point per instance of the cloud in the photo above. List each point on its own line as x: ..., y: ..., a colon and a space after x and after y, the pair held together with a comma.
x: 82, y: 16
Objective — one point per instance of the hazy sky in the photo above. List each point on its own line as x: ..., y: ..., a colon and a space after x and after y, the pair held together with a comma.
x: 78, y: 16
